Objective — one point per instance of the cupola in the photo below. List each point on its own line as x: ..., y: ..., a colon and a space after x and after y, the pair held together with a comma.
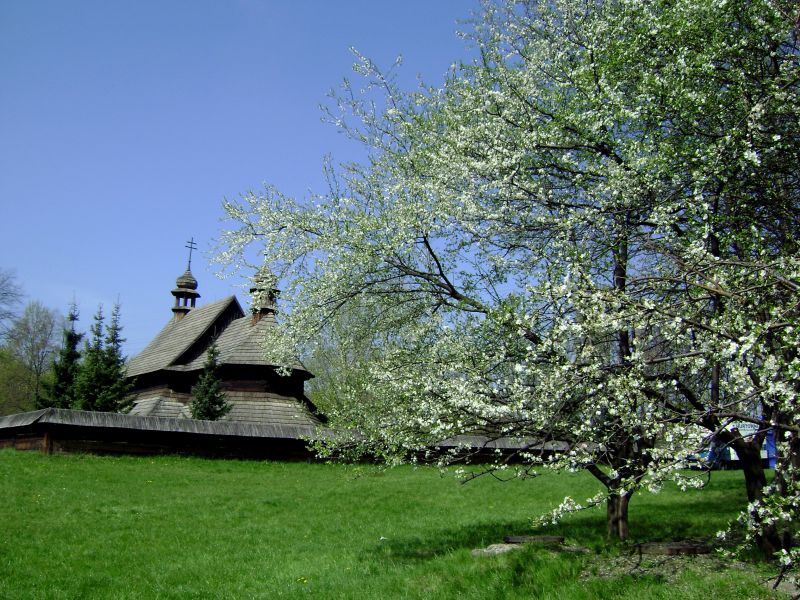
x: 263, y: 293
x: 185, y: 294
x: 185, y: 291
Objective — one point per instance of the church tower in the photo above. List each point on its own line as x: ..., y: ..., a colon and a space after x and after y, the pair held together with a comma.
x: 185, y: 291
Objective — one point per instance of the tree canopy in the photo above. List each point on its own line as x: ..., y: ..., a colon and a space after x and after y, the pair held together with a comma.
x: 32, y: 340
x: 589, y: 235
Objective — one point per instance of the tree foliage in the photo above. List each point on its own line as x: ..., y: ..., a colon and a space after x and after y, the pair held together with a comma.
x: 31, y: 340
x: 208, y: 398
x: 62, y: 391
x: 14, y: 384
x: 588, y: 235
x: 101, y: 384
x: 340, y: 358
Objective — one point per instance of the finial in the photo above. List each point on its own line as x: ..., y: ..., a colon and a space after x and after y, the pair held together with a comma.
x: 191, y: 246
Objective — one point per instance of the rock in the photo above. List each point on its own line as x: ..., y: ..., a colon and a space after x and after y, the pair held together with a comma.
x: 787, y: 586
x: 534, y: 539
x: 494, y: 549
x: 673, y: 548
x: 551, y: 542
x: 574, y: 549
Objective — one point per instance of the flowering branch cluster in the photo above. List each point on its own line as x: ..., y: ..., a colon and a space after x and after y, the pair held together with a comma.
x: 588, y: 236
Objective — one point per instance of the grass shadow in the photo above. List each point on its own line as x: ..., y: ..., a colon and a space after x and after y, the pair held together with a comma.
x: 653, y: 518
x: 437, y: 542
x: 583, y: 530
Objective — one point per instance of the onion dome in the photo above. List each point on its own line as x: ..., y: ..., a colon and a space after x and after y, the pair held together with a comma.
x: 186, y: 281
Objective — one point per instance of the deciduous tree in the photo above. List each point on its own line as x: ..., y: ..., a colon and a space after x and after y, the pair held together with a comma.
x: 587, y: 235
x: 32, y: 340
x: 340, y: 358
x: 14, y: 382
x: 10, y: 298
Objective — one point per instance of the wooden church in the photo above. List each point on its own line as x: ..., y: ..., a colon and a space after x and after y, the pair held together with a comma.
x: 165, y: 371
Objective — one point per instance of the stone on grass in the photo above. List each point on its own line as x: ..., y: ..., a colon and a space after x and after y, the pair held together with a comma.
x: 674, y: 548
x: 494, y: 549
x: 534, y: 539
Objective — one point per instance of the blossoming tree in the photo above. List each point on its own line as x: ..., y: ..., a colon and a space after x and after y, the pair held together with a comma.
x: 588, y: 235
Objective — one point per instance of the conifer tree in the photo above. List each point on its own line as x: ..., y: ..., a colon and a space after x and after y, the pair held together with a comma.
x: 101, y: 381
x: 208, y: 399
x: 62, y: 390
x: 90, y: 373
x: 115, y: 395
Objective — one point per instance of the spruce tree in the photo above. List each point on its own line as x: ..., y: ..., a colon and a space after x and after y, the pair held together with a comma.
x: 62, y: 389
x: 90, y: 377
x: 208, y: 399
x: 101, y: 380
x: 115, y: 396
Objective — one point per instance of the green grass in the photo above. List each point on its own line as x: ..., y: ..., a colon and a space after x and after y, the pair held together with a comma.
x: 169, y: 527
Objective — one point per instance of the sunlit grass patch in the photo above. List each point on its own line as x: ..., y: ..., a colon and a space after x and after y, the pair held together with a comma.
x: 169, y: 527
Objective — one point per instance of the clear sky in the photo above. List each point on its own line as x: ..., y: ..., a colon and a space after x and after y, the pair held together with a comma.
x: 124, y: 124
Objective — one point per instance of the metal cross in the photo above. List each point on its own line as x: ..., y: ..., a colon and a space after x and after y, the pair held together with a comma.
x: 191, y: 246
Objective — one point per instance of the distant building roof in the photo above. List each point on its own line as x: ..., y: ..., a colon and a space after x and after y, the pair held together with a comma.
x: 240, y: 340
x: 60, y: 416
x: 61, y: 430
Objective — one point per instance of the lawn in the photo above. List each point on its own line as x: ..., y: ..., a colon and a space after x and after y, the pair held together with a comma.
x: 170, y: 527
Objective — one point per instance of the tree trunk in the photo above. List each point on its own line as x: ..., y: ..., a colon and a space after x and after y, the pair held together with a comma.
x: 617, y: 515
x: 616, y: 504
x: 755, y: 480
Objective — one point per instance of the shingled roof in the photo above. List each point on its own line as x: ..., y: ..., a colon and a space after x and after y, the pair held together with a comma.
x: 242, y: 343
x: 177, y: 337
x: 81, y: 418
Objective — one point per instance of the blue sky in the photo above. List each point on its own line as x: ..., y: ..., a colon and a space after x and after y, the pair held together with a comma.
x: 123, y: 126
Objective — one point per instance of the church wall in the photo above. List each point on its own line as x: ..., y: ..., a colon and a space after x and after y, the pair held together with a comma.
x: 260, y: 378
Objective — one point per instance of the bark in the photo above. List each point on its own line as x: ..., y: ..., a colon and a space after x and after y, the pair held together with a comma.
x: 755, y: 480
x: 769, y: 540
x: 780, y: 537
x: 616, y: 504
x: 617, y: 515
x: 749, y: 453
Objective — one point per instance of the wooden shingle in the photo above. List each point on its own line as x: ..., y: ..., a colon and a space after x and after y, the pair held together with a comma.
x: 242, y: 343
x: 176, y: 338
